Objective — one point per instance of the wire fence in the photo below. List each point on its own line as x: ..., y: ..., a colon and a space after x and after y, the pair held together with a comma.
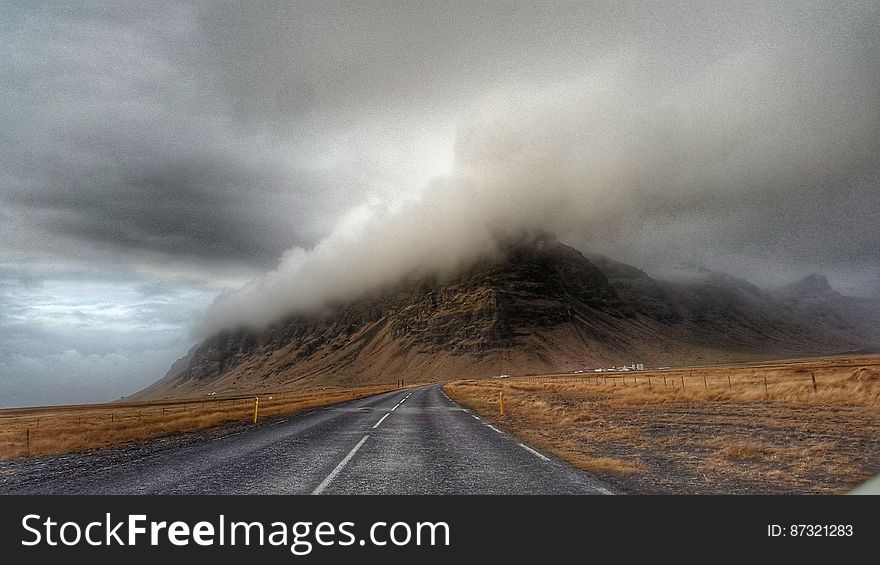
x: 715, y: 379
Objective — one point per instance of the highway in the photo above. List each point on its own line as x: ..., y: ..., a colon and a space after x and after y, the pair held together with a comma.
x: 411, y: 441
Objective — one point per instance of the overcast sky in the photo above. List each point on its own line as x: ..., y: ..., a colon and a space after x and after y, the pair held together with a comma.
x: 167, y: 169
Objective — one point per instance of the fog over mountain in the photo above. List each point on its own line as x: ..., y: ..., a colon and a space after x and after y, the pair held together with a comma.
x: 171, y: 169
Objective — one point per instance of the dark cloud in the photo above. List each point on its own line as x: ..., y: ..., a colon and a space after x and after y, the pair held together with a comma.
x: 338, y: 144
x: 112, y: 140
x: 188, y: 206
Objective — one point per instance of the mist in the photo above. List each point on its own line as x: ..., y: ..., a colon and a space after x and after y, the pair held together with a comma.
x: 649, y: 158
x: 280, y: 157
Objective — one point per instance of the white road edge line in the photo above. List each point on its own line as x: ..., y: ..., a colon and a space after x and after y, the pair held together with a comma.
x: 382, y: 419
x: 326, y: 482
x: 395, y: 408
x: 604, y: 490
x: 494, y: 428
x: 533, y: 452
x: 475, y: 417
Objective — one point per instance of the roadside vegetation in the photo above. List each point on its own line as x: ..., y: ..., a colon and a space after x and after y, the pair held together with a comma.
x: 59, y: 429
x: 763, y: 428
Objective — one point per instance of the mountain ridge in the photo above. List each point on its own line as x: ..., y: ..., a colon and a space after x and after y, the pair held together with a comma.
x: 537, y: 306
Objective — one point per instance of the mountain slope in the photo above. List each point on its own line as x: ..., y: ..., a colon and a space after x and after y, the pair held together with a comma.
x: 538, y: 306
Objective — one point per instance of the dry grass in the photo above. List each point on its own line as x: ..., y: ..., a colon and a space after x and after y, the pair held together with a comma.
x: 43, y: 431
x: 747, y: 451
x: 712, y: 435
x: 844, y: 381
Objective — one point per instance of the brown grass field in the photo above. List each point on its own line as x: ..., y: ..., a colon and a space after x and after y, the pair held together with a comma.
x: 745, y: 429
x: 59, y: 429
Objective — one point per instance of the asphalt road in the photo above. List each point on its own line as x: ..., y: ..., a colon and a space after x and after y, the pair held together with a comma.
x: 412, y: 441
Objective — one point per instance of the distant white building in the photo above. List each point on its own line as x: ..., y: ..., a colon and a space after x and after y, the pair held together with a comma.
x: 633, y: 367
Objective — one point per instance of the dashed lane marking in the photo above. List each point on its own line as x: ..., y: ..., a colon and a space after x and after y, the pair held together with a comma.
x: 326, y: 482
x: 494, y: 428
x: 382, y: 419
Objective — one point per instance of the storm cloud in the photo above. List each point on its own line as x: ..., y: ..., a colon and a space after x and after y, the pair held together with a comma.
x: 279, y: 156
x: 760, y: 159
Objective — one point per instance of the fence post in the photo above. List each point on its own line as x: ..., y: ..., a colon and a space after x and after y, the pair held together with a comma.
x: 813, y: 376
x: 649, y: 382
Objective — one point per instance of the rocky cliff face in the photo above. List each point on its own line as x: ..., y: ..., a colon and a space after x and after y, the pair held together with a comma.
x: 538, y: 306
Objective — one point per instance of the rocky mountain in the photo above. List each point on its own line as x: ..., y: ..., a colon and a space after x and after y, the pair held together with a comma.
x: 538, y: 306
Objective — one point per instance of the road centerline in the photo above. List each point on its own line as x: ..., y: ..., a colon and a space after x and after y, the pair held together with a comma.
x: 326, y: 482
x: 382, y: 419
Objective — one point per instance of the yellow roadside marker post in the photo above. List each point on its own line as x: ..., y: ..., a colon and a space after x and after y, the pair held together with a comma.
x: 501, y: 402
x: 256, y: 407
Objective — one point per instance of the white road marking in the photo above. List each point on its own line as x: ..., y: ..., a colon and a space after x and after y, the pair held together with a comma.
x: 326, y: 482
x: 475, y: 417
x: 533, y: 452
x: 382, y: 419
x: 278, y: 422
x: 494, y: 428
x: 399, y: 403
x: 604, y: 490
